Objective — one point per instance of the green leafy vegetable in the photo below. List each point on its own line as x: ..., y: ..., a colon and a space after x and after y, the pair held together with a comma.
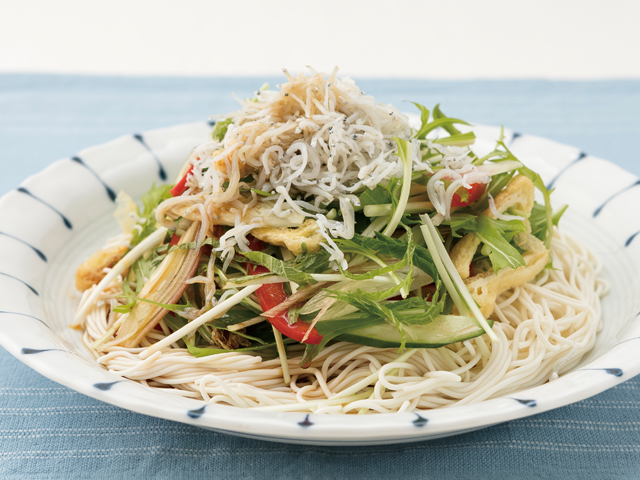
x: 220, y: 129
x: 417, y: 311
x: 150, y: 201
x: 175, y: 308
x: 126, y: 285
x: 538, y: 220
x: 462, y: 223
x: 449, y: 128
x: 232, y: 317
x: 124, y: 308
x: 144, y: 267
x: 376, y: 196
x: 246, y: 278
x: 205, y: 352
x: 396, y: 248
x: 280, y: 267
x: 424, y: 113
x: 358, y: 245
x: 192, y: 245
x: 372, y: 303
x: 537, y: 182
x: 369, y: 304
x: 261, y: 192
x: 312, y: 262
x: 440, y: 122
x: 459, y: 140
x: 492, y: 233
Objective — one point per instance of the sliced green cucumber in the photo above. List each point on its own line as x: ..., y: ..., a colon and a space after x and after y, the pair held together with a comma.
x: 444, y: 330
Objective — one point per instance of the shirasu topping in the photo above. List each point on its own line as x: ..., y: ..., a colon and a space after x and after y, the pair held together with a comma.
x: 501, y: 216
x: 459, y: 171
x: 316, y: 140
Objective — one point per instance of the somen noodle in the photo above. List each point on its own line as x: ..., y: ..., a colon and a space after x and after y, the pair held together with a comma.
x: 545, y: 328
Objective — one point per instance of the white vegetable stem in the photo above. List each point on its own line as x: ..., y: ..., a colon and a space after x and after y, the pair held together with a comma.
x: 192, y: 326
x: 318, y: 277
x: 374, y: 227
x: 119, y: 268
x: 385, y: 209
x: 496, y: 168
x: 282, y: 353
x: 405, y: 152
x: 449, y: 274
x: 248, y: 323
x: 442, y: 270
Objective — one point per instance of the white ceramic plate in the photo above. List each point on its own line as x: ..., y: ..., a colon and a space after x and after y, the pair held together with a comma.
x: 61, y: 215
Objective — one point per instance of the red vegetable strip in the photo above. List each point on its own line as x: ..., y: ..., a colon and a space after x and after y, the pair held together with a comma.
x: 271, y: 295
x: 175, y: 239
x: 255, y: 244
x: 181, y: 186
x: 475, y: 192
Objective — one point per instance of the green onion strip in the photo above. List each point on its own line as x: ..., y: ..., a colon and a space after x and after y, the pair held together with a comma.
x: 455, y: 286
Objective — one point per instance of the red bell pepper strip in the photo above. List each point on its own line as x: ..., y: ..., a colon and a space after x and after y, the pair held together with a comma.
x: 174, y: 240
x: 255, y: 244
x: 474, y: 193
x: 181, y: 186
x: 271, y: 295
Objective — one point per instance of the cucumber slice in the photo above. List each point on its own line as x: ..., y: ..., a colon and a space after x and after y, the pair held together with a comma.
x: 442, y: 331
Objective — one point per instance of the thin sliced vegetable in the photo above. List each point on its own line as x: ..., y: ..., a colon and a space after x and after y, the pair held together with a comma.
x: 181, y: 186
x: 405, y: 152
x: 192, y: 326
x: 444, y: 330
x: 166, y: 286
x: 455, y: 286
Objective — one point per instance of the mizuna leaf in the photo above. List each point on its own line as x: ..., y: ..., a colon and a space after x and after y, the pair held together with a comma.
x: 192, y: 245
x: 175, y: 308
x: 462, y: 223
x: 424, y: 114
x: 281, y: 268
x: 441, y: 122
x: 376, y: 196
x: 449, y: 128
x: 150, y: 201
x: 220, y: 129
x: 501, y: 253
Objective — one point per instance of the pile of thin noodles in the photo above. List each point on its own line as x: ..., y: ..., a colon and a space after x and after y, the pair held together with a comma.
x: 544, y: 328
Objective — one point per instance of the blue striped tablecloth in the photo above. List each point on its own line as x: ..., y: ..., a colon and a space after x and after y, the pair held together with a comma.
x: 48, y: 431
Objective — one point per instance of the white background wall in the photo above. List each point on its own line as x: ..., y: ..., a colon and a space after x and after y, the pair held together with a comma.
x: 568, y: 39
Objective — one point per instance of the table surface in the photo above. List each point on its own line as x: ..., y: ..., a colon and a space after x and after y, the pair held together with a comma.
x: 50, y: 431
